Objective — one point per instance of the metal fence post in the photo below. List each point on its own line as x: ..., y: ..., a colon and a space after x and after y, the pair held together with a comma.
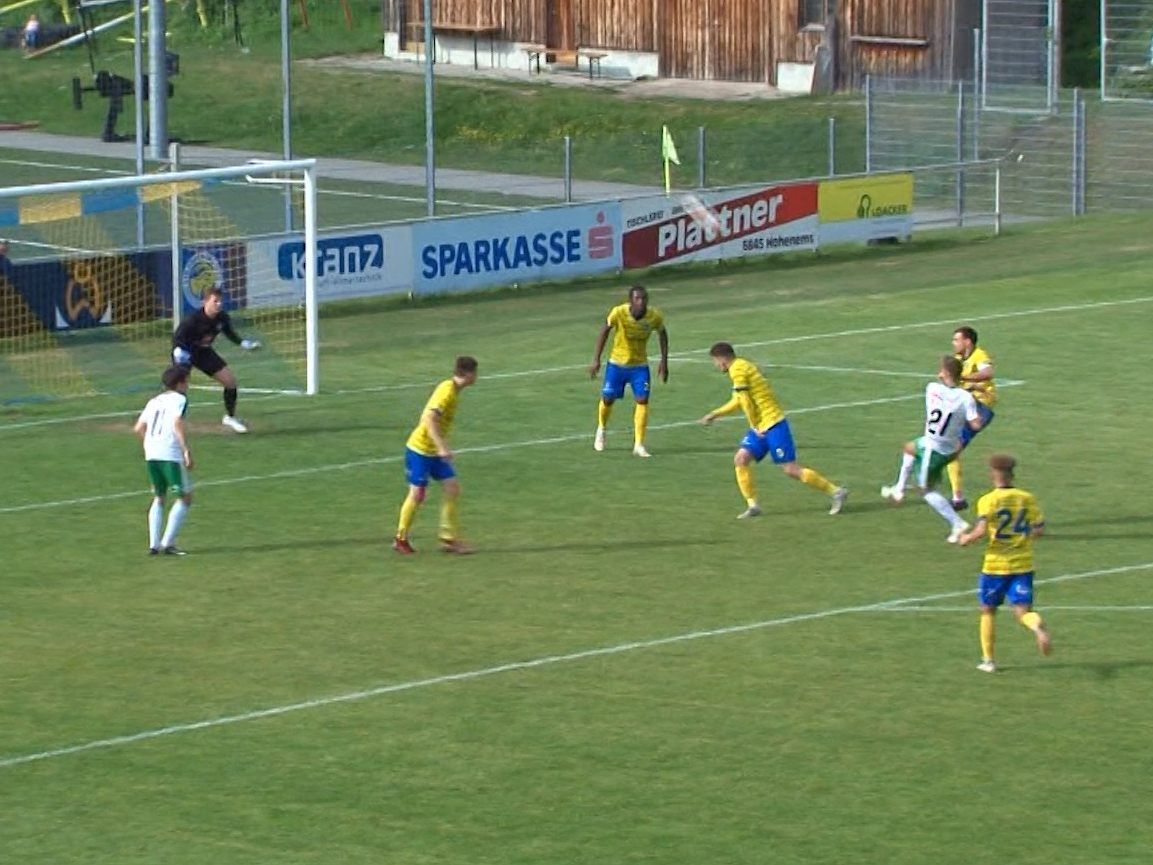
x: 868, y: 124
x: 1079, y: 153
x: 700, y: 157
x: 960, y: 153
x: 997, y: 200
x: 832, y: 146
x: 977, y: 101
x: 1103, y: 71
x: 568, y: 169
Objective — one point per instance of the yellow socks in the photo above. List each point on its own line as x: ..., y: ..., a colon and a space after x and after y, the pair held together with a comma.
x: 640, y: 423
x: 816, y: 480
x: 1032, y: 621
x: 604, y: 410
x: 954, y: 470
x: 746, y: 484
x: 449, y: 527
x: 407, y: 515
x: 988, y: 634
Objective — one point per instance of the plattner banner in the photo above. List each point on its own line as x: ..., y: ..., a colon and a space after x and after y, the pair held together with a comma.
x: 866, y: 208
x: 732, y: 224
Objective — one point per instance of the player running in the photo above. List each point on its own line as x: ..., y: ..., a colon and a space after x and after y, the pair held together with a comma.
x: 768, y: 435
x: 949, y: 409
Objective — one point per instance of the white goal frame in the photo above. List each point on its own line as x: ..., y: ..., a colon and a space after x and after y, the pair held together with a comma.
x: 254, y: 172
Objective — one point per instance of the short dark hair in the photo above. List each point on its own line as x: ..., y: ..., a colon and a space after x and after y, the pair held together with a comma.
x: 173, y: 376
x: 1002, y: 463
x: 465, y: 365
x: 212, y: 290
x: 637, y: 287
x: 723, y: 349
x: 952, y: 366
x: 968, y: 333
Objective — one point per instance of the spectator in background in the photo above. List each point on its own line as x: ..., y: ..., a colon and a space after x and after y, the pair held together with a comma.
x: 32, y: 32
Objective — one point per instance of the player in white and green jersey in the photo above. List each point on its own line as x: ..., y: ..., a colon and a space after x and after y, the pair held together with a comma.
x: 949, y: 409
x: 161, y: 428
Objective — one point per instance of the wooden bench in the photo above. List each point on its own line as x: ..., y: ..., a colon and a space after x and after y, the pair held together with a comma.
x: 534, y: 53
x: 594, y: 59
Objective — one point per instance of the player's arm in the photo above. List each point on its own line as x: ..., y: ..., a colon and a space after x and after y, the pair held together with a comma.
x: 983, y: 373
x: 598, y: 350
x: 728, y: 408
x: 431, y: 420
x: 973, y: 417
x: 663, y: 366
x: 229, y: 331
x: 141, y: 426
x: 178, y: 430
x: 975, y: 533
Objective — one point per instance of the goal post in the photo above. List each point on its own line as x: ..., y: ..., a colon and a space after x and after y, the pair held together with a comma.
x: 98, y: 273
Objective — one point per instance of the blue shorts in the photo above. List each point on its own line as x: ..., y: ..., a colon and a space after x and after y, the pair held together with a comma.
x: 616, y: 377
x: 986, y: 414
x: 994, y: 589
x: 775, y: 442
x: 418, y: 468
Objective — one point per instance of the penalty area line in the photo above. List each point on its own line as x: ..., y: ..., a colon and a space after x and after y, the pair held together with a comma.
x: 512, y: 667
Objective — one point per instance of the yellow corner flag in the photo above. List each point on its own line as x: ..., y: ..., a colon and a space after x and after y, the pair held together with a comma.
x: 669, y: 154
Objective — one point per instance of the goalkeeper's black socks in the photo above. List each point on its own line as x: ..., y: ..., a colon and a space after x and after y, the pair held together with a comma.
x: 230, y: 401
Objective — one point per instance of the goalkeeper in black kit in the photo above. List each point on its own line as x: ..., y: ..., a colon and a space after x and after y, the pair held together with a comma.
x: 192, y: 347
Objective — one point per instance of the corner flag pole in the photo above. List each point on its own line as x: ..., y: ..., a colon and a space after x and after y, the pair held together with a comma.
x: 669, y: 154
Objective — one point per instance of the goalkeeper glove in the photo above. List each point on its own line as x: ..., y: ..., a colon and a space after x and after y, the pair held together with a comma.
x: 181, y: 356
x: 249, y: 344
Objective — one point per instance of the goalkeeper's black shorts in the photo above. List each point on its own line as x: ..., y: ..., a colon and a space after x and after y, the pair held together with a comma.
x: 205, y: 359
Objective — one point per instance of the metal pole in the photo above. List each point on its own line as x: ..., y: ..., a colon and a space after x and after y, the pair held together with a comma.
x: 997, y: 201
x: 977, y: 100
x: 158, y: 78
x: 138, y: 89
x: 1103, y: 72
x: 429, y: 124
x: 701, y: 143
x: 868, y: 124
x: 832, y: 146
x: 312, y: 330
x: 1081, y: 153
x: 1075, y: 179
x: 985, y: 54
x: 960, y: 153
x: 286, y: 101
x: 1052, y: 60
x: 174, y: 241
x: 568, y: 169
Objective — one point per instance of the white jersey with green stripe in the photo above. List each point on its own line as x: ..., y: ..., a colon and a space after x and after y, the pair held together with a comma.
x: 947, y: 410
x: 159, y: 418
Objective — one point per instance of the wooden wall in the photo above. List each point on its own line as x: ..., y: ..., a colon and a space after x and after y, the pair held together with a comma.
x: 737, y: 40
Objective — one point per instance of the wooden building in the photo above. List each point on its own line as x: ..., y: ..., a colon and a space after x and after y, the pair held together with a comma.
x: 728, y: 40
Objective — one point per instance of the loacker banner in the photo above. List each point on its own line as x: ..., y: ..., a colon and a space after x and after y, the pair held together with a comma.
x: 664, y: 229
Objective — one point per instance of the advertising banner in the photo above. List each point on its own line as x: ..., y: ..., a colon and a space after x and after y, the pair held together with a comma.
x: 866, y: 208
x: 459, y: 254
x: 362, y: 262
x: 679, y: 228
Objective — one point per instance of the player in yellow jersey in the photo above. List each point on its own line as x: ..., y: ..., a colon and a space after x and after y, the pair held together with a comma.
x: 427, y: 454
x: 768, y: 435
x: 1011, y: 518
x: 633, y: 323
x: 977, y: 378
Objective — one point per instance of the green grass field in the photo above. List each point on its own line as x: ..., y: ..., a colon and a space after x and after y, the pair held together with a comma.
x: 624, y: 673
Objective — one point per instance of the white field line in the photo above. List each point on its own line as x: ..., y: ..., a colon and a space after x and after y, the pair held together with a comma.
x: 1075, y: 608
x: 375, y: 461
x: 683, y: 354
x: 515, y: 666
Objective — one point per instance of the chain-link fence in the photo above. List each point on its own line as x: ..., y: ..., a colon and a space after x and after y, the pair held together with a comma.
x: 1127, y: 49
x: 1018, y: 54
x: 1082, y: 156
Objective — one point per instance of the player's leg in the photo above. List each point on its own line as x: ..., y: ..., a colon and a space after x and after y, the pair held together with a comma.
x: 417, y: 468
x: 752, y: 450
x: 640, y: 381
x: 159, y: 486
x: 612, y: 390
x: 1021, y: 597
x: 967, y: 434
x: 231, y: 392
x: 930, y: 467
x: 990, y: 595
x: 180, y: 487
x: 908, y: 458
x: 783, y: 452
x: 449, y: 534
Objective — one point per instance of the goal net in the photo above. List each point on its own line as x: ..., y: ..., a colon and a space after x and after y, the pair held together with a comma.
x: 98, y: 273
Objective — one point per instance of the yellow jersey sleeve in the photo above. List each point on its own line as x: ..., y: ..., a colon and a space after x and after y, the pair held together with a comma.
x: 983, y: 391
x: 443, y: 402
